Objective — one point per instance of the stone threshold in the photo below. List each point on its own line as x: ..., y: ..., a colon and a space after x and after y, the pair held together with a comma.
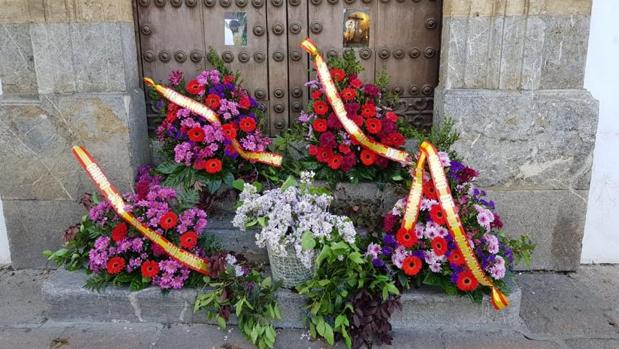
x: 68, y: 301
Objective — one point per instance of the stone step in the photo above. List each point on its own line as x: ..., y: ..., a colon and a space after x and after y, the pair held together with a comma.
x: 68, y: 301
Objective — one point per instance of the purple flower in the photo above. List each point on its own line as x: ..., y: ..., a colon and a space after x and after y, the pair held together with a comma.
x: 371, y: 90
x: 378, y: 263
x: 389, y: 240
x: 175, y: 78
x: 373, y: 250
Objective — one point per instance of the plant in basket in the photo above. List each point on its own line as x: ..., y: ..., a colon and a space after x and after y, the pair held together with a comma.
x: 294, y: 223
x: 428, y: 255
x: 113, y: 252
x: 196, y: 153
x: 332, y: 153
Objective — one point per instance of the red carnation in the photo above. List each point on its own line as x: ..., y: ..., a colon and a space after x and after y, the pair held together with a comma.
x: 336, y: 161
x: 368, y: 157
x: 368, y: 110
x: 350, y: 160
x: 348, y: 94
x: 119, y: 232
x: 213, y: 101
x: 389, y: 222
x: 196, y: 134
x: 343, y: 148
x: 229, y: 131
x: 381, y: 162
x: 373, y: 125
x: 406, y: 238
x: 324, y: 154
x: 149, y: 269
x: 228, y: 79
x: 358, y: 119
x: 466, y: 281
x: 455, y: 258
x: 212, y: 166
x: 115, y: 265
x: 244, y: 102
x: 320, y: 107
x: 411, y: 265
x: 316, y: 94
x: 194, y: 87
x: 189, y: 240
x: 199, y: 164
x: 391, y: 116
x: 168, y: 220
x: 337, y: 74
x: 356, y: 83
x: 313, y: 150
x: 247, y: 124
x: 438, y: 215
x: 319, y: 125
x: 439, y: 245
x: 327, y: 139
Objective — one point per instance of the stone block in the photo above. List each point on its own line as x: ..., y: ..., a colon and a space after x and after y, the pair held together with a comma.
x: 422, y: 309
x: 554, y: 219
x: 26, y: 11
x: 16, y: 60
x: 36, y: 138
x: 37, y: 225
x: 85, y: 57
x: 524, y: 139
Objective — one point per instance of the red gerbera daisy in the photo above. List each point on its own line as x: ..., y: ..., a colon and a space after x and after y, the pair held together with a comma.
x: 466, y: 281
x: 394, y: 139
x: 196, y: 134
x: 368, y: 157
x: 324, y: 154
x: 168, y: 220
x: 348, y: 94
x: 455, y: 258
x: 316, y: 94
x: 229, y: 130
x: 115, y: 265
x: 411, y: 265
x: 391, y: 116
x: 320, y: 107
x: 429, y: 191
x: 343, y: 148
x: 439, y: 245
x: 229, y: 78
x: 244, y: 102
x: 194, y: 87
x: 356, y: 83
x: 189, y: 240
x: 213, y: 101
x: 368, y: 110
x: 247, y: 124
x: 337, y: 74
x: 319, y: 125
x: 119, y: 232
x: 373, y: 125
x: 406, y: 238
x: 336, y: 161
x: 438, y: 215
x: 170, y: 116
x: 149, y: 269
x: 212, y: 166
x: 313, y: 150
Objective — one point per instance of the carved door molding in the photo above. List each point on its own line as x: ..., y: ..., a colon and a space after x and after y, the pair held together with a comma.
x: 403, y: 40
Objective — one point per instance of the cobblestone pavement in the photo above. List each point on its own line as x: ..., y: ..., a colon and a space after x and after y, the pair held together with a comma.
x: 575, y: 311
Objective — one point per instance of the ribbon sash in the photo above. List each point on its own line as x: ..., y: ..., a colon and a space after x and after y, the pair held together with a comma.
x: 118, y: 204
x: 427, y: 153
x: 207, y: 113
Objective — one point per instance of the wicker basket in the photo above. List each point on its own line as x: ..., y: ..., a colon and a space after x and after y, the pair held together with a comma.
x: 288, y: 269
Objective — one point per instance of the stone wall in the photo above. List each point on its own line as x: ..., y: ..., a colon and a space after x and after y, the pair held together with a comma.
x: 511, y: 77
x: 69, y: 75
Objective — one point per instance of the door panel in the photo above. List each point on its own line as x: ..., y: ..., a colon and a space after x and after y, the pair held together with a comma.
x: 278, y: 66
x: 297, y: 59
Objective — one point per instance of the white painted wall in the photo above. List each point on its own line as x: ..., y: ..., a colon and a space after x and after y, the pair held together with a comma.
x: 601, y: 241
x: 5, y: 257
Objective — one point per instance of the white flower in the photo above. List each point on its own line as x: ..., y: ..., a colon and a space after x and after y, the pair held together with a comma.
x: 399, y: 207
x: 444, y: 158
x: 230, y: 259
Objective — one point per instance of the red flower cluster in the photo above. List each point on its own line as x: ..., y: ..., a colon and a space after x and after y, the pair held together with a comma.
x: 331, y: 145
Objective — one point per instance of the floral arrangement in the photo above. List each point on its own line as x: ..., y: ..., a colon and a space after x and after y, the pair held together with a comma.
x: 114, y: 252
x: 332, y: 153
x: 193, y: 149
x: 429, y: 254
x: 294, y: 215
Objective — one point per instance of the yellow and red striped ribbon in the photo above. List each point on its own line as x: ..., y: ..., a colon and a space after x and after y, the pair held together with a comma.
x: 427, y: 153
x: 207, y: 113
x: 118, y: 204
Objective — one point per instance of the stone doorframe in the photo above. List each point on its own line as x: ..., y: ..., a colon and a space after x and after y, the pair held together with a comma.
x: 511, y: 77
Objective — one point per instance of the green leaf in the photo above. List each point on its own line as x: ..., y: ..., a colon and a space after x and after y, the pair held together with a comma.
x: 307, y: 241
x: 347, y: 339
x: 262, y: 221
x: 238, y: 307
x: 341, y: 320
x: 329, y: 334
x: 320, y: 327
x: 168, y: 167
x: 238, y: 184
x: 289, y: 182
x: 221, y: 322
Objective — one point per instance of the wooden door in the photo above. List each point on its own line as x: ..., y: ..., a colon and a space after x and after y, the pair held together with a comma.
x: 260, y: 39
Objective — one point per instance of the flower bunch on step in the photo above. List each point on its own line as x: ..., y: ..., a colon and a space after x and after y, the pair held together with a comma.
x: 332, y: 152
x: 295, y: 215
x: 428, y: 253
x: 114, y: 252
x: 195, y: 150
